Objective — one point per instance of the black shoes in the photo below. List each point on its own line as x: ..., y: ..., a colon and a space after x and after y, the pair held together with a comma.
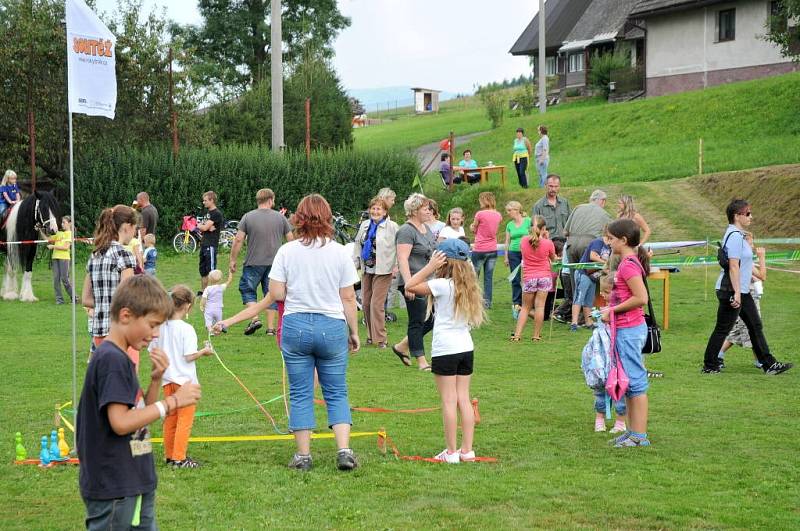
x: 777, y: 368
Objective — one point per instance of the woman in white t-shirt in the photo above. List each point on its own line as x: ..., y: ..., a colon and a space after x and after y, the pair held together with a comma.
x: 458, y: 303
x: 314, y: 276
x: 454, y: 225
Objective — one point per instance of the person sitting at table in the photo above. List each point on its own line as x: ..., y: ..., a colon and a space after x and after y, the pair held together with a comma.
x: 469, y: 163
x: 446, y: 171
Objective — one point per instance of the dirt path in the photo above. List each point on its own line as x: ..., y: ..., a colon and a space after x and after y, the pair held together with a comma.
x: 428, y: 151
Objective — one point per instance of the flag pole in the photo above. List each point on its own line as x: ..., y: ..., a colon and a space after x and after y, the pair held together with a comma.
x: 74, y: 289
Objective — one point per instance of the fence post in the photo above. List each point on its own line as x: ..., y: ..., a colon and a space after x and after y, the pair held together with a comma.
x: 700, y: 158
x: 452, y: 140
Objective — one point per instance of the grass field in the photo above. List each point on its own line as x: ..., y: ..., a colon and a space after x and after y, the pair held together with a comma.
x: 743, y: 125
x: 724, y: 451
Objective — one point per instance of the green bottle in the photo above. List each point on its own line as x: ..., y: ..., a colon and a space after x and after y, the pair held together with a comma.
x: 22, y: 454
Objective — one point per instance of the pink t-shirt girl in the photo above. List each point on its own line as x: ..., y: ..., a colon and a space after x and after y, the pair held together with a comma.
x: 628, y: 268
x: 486, y: 235
x: 536, y: 262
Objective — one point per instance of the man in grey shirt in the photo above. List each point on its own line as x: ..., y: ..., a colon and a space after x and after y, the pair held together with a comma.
x: 149, y: 215
x: 265, y: 230
x: 553, y: 208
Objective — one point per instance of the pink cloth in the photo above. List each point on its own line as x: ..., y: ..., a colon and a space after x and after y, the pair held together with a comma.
x: 628, y: 268
x: 486, y: 235
x: 536, y: 262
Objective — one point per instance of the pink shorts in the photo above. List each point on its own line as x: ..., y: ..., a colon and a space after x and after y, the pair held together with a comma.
x: 532, y: 285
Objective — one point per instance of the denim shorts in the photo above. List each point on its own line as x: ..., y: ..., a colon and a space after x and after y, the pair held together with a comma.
x: 314, y: 341
x: 629, y: 345
x: 586, y: 288
x: 252, y: 276
x: 535, y: 284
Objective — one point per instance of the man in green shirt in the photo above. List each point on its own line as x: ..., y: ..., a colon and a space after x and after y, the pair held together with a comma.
x: 554, y: 209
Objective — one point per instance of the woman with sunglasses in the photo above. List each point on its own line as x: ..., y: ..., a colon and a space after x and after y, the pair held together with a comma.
x: 733, y: 293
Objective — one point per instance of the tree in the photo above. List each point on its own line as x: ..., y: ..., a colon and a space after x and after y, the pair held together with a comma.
x: 602, y: 67
x: 495, y: 103
x: 229, y: 52
x: 356, y: 107
x: 786, y: 36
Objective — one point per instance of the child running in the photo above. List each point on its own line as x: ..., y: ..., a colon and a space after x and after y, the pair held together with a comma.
x: 458, y: 304
x: 606, y: 284
x: 628, y: 298
x: 117, y: 476
x: 537, y: 279
x: 178, y: 339
x: 150, y: 254
x: 211, y: 300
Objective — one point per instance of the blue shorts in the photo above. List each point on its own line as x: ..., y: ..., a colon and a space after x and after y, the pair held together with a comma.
x: 584, y: 292
x: 629, y: 345
x: 252, y: 276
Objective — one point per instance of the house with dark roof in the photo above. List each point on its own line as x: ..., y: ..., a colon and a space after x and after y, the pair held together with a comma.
x: 693, y: 44
x: 576, y: 30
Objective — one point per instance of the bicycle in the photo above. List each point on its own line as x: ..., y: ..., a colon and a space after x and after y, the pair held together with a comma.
x: 343, y: 231
x: 187, y: 240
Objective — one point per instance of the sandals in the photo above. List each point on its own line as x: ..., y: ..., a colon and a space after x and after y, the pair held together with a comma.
x: 427, y: 368
x: 514, y: 338
x: 534, y: 338
x: 403, y: 357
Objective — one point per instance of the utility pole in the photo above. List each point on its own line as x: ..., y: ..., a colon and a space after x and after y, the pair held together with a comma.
x: 173, y: 117
x: 29, y: 104
x: 542, y: 66
x: 277, y: 75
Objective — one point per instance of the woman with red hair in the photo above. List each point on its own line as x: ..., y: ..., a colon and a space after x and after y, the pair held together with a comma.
x: 314, y: 276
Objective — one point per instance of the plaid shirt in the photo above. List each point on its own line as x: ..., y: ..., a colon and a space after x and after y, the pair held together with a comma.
x: 104, y: 271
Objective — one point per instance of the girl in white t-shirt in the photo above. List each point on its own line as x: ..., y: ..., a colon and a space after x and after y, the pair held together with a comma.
x: 179, y: 340
x: 458, y: 303
x: 454, y: 225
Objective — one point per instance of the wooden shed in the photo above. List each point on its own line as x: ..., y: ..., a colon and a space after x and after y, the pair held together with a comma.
x: 426, y: 100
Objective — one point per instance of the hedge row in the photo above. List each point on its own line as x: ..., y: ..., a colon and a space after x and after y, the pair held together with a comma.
x: 347, y: 179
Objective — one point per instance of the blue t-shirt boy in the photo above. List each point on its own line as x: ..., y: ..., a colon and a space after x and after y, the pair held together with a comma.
x: 597, y: 246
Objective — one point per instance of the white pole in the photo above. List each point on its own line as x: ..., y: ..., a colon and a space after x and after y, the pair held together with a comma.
x: 277, y: 76
x: 542, y: 59
x: 74, y: 291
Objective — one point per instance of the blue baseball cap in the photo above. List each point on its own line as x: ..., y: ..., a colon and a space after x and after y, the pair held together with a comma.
x: 454, y: 248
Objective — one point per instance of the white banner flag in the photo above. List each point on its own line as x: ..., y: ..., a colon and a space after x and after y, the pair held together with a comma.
x: 91, y: 52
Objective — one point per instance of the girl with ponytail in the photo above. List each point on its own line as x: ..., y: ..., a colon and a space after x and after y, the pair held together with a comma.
x: 108, y: 265
x: 537, y: 276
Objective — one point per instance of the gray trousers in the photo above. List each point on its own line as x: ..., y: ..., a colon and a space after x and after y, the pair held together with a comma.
x: 61, y: 276
x: 105, y: 515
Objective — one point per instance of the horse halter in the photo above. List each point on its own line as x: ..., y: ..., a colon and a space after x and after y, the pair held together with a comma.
x: 40, y: 224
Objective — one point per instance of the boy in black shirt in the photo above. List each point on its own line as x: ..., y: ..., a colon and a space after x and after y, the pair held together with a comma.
x: 117, y: 475
x: 210, y: 241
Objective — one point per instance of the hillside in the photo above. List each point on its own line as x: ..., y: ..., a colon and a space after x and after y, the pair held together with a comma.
x: 677, y: 209
x: 743, y: 125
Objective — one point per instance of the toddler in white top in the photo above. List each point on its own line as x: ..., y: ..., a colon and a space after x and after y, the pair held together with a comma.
x: 211, y: 300
x: 458, y: 302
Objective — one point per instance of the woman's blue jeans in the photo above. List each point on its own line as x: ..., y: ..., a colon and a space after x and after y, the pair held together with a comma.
x: 486, y: 261
x: 314, y: 341
x: 541, y: 168
x: 515, y: 259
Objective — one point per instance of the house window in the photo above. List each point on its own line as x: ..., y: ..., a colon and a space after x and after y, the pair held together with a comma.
x: 726, y: 25
x: 576, y: 62
x: 778, y: 21
x: 550, y: 66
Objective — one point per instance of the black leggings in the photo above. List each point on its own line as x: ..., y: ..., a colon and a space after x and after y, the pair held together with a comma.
x: 418, y: 325
x: 726, y: 318
x: 522, y: 165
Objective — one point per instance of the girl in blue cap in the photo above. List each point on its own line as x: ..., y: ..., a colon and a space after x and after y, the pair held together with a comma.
x: 458, y: 303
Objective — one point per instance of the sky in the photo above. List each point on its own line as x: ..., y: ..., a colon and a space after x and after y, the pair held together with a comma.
x: 449, y: 45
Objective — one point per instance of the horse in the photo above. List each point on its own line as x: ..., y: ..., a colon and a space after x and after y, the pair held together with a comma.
x: 36, y: 215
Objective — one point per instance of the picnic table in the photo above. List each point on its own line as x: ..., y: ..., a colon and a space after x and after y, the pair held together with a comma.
x: 663, y: 275
x: 484, y: 172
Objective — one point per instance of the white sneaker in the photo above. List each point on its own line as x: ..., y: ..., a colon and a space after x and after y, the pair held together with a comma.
x: 599, y: 425
x: 466, y: 457
x: 618, y: 428
x: 447, y: 457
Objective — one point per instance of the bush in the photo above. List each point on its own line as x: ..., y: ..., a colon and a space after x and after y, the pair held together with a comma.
x: 348, y: 179
x: 601, y: 67
x: 495, y: 103
x: 525, y: 96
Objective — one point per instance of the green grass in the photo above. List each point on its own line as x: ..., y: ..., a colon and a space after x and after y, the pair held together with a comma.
x: 723, y: 455
x: 743, y: 125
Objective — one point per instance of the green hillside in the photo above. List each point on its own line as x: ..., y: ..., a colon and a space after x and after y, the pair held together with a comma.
x: 743, y: 125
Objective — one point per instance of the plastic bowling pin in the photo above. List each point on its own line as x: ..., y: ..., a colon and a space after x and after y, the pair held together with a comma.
x: 55, y: 453
x: 44, y: 455
x: 62, y: 444
x: 21, y: 453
